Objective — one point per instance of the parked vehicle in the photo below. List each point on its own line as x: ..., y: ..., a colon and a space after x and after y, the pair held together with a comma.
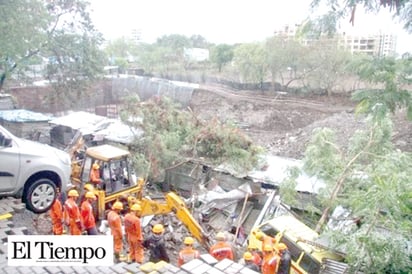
x: 32, y: 171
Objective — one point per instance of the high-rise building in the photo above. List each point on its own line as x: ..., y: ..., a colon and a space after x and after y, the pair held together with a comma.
x: 380, y: 44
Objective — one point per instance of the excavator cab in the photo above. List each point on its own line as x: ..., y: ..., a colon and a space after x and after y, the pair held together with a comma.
x: 113, y: 168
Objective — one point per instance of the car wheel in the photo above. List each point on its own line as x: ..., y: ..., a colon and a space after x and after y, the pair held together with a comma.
x: 40, y: 195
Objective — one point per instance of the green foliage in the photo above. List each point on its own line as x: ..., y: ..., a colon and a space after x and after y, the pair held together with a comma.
x: 221, y: 55
x: 373, y: 181
x: 250, y: 59
x: 58, y: 31
x: 173, y: 136
x: 389, y: 77
x: 401, y: 9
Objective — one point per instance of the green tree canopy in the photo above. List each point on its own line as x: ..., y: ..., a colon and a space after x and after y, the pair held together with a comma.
x: 173, y: 136
x: 221, y: 55
x: 59, y: 33
x: 401, y: 9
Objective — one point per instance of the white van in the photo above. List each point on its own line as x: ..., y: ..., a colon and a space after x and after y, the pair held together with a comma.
x: 32, y: 171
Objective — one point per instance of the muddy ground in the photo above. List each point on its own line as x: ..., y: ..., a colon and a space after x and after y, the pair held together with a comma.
x: 283, y: 123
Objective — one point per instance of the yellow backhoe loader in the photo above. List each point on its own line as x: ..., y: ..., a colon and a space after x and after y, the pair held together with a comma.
x: 119, y: 183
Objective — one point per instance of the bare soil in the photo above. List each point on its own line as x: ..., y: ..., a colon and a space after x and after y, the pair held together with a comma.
x: 283, y: 123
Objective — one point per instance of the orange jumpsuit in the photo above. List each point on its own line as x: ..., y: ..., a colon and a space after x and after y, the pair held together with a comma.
x: 269, y: 264
x: 186, y: 255
x: 95, y: 176
x: 221, y: 250
x: 86, y: 212
x: 56, y: 215
x: 72, y: 216
x: 115, y: 224
x: 134, y: 237
x: 267, y: 240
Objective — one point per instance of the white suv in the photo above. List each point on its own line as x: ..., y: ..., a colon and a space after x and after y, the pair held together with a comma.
x: 32, y: 171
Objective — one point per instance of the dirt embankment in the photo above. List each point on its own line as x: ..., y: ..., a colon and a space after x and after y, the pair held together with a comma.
x: 283, y: 123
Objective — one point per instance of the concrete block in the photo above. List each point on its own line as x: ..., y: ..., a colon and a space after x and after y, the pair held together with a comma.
x: 19, y: 231
x: 147, y: 267
x: 132, y: 268
x: 5, y: 223
x: 234, y: 268
x: 214, y: 271
x: 223, y: 264
x: 23, y: 269
x: 53, y: 269
x: 79, y: 270
x: 209, y: 259
x: 91, y: 270
x: 18, y: 208
x: 201, y: 269
x: 160, y: 266
x: 192, y: 265
x: 118, y: 268
x: 3, y: 249
x: 38, y: 270
x: 105, y: 269
x: 171, y: 268
x: 246, y: 270
x: 4, y: 232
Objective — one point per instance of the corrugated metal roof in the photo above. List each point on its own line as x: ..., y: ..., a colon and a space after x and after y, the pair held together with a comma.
x: 23, y: 115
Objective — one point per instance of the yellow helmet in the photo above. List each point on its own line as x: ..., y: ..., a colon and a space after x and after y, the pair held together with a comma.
x: 131, y: 199
x: 247, y: 256
x: 117, y: 205
x: 220, y: 236
x: 136, y: 207
x: 260, y: 235
x: 96, y: 166
x: 282, y: 246
x: 267, y: 248
x: 90, y: 195
x: 88, y: 187
x: 73, y: 193
x: 158, y: 228
x: 188, y: 241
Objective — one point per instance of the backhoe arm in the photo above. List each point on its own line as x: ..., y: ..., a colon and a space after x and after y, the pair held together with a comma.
x: 175, y: 204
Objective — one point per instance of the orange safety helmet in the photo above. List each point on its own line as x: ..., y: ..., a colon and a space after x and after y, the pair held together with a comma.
x: 158, y: 228
x: 188, y: 241
x: 73, y: 193
x: 117, y: 205
x: 90, y: 195
x: 247, y: 256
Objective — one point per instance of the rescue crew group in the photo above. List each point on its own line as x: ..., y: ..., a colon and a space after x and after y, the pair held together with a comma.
x: 82, y: 221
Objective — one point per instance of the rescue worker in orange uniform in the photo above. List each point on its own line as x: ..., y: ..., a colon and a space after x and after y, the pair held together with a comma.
x: 188, y: 253
x: 221, y: 249
x: 134, y: 234
x: 86, y: 212
x: 269, y: 263
x: 95, y: 175
x: 56, y: 215
x: 72, y: 213
x: 115, y: 224
x: 249, y: 261
x: 265, y: 239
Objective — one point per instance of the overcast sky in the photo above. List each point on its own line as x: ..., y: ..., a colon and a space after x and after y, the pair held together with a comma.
x: 221, y: 21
